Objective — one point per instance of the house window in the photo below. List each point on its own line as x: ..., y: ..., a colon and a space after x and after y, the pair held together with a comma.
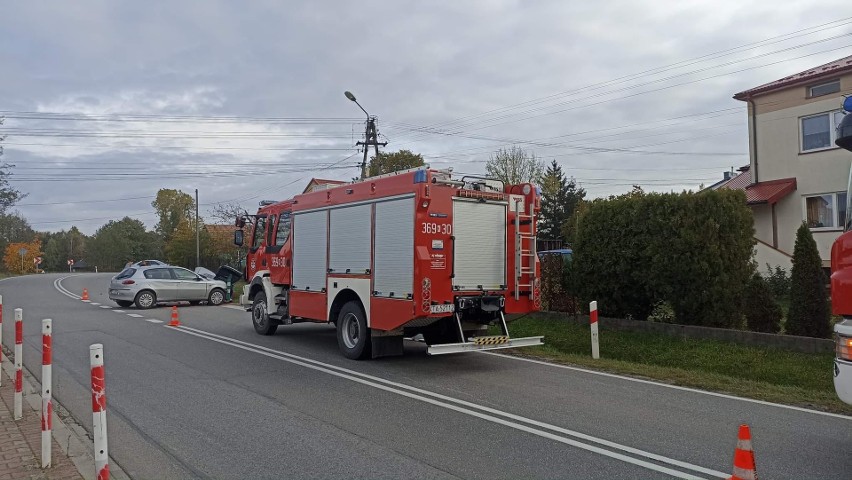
x: 820, y: 131
x: 824, y: 89
x: 826, y: 211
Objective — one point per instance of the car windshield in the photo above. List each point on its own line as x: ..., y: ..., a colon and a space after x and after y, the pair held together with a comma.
x: 126, y: 273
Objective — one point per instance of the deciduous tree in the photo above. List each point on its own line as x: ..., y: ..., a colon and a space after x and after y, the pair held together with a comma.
x: 514, y: 165
x: 15, y: 262
x: 394, y: 161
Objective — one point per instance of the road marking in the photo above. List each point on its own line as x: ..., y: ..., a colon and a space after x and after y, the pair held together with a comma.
x: 134, y: 315
x: 153, y: 320
x: 486, y: 413
x: 105, y: 306
x: 94, y: 303
x: 87, y: 301
x: 118, y: 311
x: 57, y: 284
x: 233, y: 307
x: 675, y: 387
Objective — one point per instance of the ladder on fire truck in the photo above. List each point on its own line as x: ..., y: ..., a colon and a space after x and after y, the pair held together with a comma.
x: 525, y: 249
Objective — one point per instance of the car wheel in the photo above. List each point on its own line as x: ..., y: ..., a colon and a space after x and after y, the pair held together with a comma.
x: 124, y: 303
x: 217, y: 297
x: 145, y: 299
x: 353, y: 336
x: 262, y: 323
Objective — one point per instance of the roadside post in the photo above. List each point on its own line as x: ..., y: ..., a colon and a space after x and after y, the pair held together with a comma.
x: 99, y: 421
x: 19, y: 373
x: 593, y: 320
x: 46, y: 396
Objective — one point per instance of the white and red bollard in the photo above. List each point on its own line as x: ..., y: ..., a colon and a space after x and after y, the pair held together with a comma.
x: 46, y: 396
x: 593, y: 321
x: 99, y: 421
x: 19, y: 372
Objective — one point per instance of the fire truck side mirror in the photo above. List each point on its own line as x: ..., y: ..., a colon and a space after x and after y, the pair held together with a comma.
x: 238, y: 238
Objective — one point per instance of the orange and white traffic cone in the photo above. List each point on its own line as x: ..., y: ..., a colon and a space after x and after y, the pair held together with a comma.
x: 175, y: 322
x: 744, y: 468
x: 85, y: 294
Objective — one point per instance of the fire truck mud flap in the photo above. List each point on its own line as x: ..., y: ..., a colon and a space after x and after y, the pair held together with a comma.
x: 496, y: 342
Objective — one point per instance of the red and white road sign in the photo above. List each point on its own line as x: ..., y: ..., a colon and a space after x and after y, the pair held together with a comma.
x: 37, y: 260
x: 70, y: 262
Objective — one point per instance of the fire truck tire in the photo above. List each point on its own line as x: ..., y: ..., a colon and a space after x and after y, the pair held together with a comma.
x: 260, y: 318
x: 353, y: 336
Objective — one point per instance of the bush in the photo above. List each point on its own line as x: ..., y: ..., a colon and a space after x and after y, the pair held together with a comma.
x: 691, y: 250
x: 662, y: 313
x: 778, y: 281
x: 809, y: 314
x: 762, y: 312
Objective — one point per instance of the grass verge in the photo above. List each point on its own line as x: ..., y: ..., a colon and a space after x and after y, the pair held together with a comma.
x: 763, y: 373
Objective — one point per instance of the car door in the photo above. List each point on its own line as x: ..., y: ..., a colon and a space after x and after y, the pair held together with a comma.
x: 190, y: 286
x: 161, y: 281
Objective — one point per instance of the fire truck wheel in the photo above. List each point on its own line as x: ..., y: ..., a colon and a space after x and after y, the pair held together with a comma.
x: 353, y: 336
x: 262, y: 323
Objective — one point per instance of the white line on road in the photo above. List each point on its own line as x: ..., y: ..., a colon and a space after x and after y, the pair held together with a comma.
x: 134, y: 315
x: 465, y: 407
x: 676, y: 387
x: 234, y: 307
x: 94, y: 303
x: 153, y: 320
x: 105, y: 306
x: 118, y: 311
x: 57, y: 284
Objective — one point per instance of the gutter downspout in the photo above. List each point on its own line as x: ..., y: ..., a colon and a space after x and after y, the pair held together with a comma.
x: 754, y: 135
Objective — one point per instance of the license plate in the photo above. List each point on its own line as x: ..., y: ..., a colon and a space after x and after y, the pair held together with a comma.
x: 445, y: 308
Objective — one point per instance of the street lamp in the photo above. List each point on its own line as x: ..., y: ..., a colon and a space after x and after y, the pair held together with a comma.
x: 371, y: 136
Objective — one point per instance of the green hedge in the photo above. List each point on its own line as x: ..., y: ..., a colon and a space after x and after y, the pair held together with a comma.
x: 692, y: 250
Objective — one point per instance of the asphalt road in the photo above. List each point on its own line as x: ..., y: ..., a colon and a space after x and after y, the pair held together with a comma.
x: 212, y: 399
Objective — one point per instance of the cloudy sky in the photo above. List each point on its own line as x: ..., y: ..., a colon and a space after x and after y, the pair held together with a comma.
x: 105, y: 102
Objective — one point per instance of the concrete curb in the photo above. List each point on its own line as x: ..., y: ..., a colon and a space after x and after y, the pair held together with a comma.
x: 72, y: 438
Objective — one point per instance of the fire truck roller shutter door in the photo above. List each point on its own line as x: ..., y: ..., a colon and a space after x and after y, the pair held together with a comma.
x: 309, y: 250
x: 394, y: 256
x: 480, y: 244
x: 350, y: 239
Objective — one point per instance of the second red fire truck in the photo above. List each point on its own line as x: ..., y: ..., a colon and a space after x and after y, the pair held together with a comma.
x: 416, y: 252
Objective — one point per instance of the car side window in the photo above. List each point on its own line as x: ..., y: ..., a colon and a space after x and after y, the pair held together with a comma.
x: 283, y: 229
x: 126, y: 273
x: 183, y: 274
x: 158, y: 274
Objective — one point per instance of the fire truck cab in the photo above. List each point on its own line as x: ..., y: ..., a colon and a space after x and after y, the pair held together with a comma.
x: 841, y: 277
x: 412, y: 253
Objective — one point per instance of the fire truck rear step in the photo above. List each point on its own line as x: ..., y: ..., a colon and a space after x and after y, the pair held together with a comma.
x: 484, y: 342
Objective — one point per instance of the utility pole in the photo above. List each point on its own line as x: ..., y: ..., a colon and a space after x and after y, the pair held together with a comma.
x: 371, y: 135
x: 197, y: 242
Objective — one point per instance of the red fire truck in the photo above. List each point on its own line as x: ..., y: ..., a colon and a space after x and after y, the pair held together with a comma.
x: 394, y: 256
x: 841, y: 277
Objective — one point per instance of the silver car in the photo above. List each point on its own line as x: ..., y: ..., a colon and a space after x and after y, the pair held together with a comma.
x: 147, y: 286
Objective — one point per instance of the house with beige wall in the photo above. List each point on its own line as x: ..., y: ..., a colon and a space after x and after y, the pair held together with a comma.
x: 796, y: 173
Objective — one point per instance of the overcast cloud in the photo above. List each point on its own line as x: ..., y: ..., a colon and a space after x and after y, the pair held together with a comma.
x: 215, y: 89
